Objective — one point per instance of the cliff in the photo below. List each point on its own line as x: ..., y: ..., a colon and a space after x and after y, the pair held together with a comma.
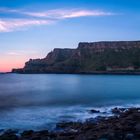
x: 96, y: 57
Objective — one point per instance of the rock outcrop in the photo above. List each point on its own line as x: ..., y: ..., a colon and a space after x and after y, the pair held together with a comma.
x: 96, y: 57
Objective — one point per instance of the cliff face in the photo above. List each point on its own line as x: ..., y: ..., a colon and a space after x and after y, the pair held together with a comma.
x: 115, y: 56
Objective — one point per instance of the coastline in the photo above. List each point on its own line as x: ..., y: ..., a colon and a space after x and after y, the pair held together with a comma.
x: 84, y: 73
x: 124, y: 124
x: 105, y: 57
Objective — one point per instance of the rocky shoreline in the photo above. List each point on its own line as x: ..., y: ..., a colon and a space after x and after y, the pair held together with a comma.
x: 123, y: 125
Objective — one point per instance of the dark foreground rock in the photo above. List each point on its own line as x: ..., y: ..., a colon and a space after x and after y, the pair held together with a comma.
x: 118, y: 110
x: 125, y: 125
x: 94, y: 111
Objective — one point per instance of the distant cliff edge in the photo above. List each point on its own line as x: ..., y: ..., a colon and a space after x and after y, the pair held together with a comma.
x: 97, y: 57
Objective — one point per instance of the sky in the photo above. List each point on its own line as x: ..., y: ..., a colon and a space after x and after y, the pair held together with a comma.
x: 32, y: 28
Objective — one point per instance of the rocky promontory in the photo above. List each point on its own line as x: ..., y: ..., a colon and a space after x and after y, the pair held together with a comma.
x: 98, y: 57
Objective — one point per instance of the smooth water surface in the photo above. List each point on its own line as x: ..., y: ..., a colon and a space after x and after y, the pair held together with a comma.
x: 40, y: 101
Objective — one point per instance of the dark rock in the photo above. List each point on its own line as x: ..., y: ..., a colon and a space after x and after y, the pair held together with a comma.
x: 68, y: 125
x: 137, y: 127
x: 27, y: 134
x: 129, y: 136
x: 9, y: 135
x: 118, y: 110
x: 94, y: 111
x: 43, y: 132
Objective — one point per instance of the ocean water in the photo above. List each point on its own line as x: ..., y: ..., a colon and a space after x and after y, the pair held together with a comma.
x: 40, y: 101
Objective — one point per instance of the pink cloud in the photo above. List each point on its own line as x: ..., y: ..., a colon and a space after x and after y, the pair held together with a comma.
x: 20, y: 53
x: 7, y: 10
x: 7, y: 25
x: 62, y: 14
x: 43, y: 17
x: 59, y: 13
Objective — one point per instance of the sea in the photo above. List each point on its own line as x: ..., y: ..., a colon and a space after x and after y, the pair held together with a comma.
x: 40, y: 101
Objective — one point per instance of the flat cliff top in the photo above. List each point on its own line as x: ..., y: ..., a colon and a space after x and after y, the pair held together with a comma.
x: 89, y: 57
x: 111, y: 44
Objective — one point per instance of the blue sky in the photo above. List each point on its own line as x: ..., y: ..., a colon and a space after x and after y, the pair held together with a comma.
x: 32, y: 28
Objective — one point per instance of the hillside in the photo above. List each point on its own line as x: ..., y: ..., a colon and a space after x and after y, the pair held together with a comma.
x: 96, y: 57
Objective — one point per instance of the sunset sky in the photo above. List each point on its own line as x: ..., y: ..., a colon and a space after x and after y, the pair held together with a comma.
x: 32, y: 28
